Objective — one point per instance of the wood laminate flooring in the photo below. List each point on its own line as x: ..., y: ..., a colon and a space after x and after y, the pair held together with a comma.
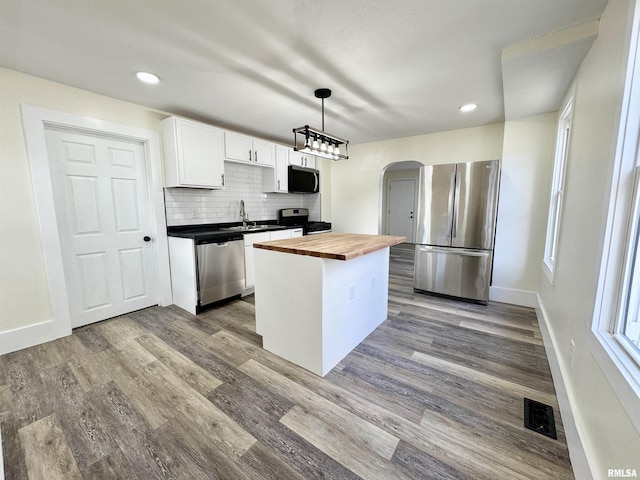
x: 436, y: 392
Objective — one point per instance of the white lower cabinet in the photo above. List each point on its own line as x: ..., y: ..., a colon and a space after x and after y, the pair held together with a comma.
x: 251, y: 238
x: 279, y: 234
x: 182, y: 254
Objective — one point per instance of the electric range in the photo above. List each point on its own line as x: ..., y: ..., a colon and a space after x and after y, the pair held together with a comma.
x: 299, y: 217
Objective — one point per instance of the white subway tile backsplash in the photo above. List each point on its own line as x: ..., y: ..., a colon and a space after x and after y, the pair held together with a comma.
x: 187, y: 206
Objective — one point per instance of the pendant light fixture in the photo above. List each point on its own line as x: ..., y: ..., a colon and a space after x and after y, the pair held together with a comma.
x: 318, y: 142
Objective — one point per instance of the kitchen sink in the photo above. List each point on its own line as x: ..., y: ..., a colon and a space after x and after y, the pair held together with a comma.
x: 240, y: 228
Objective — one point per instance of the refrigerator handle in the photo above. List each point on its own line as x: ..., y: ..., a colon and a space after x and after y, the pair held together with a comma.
x: 463, y: 252
x: 452, y: 208
x: 456, y: 205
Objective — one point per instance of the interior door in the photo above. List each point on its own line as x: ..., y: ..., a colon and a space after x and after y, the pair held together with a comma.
x: 401, y: 212
x: 435, y: 204
x: 102, y: 209
x: 476, y: 201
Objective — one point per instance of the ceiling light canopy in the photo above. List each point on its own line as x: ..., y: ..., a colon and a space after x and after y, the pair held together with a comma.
x: 469, y: 107
x: 318, y: 142
x: 147, y: 77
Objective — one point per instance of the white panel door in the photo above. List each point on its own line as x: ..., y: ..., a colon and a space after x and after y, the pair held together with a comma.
x: 401, y: 213
x: 102, y: 209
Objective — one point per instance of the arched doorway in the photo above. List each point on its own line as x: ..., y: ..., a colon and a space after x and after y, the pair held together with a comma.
x: 398, y: 199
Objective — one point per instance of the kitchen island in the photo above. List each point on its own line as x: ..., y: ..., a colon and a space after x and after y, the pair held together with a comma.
x: 317, y: 297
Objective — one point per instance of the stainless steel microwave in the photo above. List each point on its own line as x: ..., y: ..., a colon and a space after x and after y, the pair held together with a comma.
x: 303, y: 180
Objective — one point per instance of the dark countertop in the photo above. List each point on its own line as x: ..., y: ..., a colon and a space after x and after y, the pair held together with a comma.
x: 221, y: 231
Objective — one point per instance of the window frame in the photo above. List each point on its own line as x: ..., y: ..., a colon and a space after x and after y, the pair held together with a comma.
x: 629, y: 298
x: 620, y: 367
x: 556, y: 198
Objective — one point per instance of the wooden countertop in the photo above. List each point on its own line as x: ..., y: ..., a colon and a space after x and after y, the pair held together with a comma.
x: 337, y: 246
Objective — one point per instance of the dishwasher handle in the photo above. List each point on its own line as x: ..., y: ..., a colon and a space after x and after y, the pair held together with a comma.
x: 220, y: 240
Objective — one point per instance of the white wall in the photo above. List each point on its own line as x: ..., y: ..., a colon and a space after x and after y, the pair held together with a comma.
x: 24, y: 295
x: 355, y: 183
x: 527, y: 163
x: 608, y: 436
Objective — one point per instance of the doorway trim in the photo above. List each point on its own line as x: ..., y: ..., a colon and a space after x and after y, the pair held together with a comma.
x: 382, y: 195
x: 35, y: 120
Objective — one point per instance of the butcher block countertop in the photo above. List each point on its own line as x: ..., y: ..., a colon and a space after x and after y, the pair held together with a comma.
x: 337, y: 246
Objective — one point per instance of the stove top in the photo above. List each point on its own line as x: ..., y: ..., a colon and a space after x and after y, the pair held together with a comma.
x: 299, y: 217
x: 316, y: 227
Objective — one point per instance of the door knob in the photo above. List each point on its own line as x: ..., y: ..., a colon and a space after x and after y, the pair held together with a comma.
x: 146, y: 238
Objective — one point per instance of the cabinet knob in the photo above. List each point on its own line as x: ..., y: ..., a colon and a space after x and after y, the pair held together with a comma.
x: 146, y: 238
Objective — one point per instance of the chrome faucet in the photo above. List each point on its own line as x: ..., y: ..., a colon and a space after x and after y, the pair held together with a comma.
x: 243, y: 214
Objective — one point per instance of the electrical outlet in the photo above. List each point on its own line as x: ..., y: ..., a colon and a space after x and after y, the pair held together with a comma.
x: 352, y: 292
x: 572, y: 351
x: 373, y: 283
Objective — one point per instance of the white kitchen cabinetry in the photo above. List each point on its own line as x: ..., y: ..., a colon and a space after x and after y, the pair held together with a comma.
x: 279, y: 234
x: 242, y: 148
x: 251, y: 238
x: 182, y: 253
x: 302, y: 159
x: 277, y: 179
x: 193, y: 154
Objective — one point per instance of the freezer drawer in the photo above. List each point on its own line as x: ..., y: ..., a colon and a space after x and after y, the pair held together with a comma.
x: 453, y: 271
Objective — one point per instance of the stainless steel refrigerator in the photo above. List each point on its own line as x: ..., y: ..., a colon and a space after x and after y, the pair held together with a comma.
x: 457, y: 210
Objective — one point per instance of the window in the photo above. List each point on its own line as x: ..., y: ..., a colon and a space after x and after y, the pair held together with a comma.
x: 626, y: 327
x: 557, y: 191
x: 616, y: 327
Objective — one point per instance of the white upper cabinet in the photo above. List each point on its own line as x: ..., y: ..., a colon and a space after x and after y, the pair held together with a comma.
x: 242, y: 148
x: 277, y: 179
x: 302, y: 159
x: 193, y: 154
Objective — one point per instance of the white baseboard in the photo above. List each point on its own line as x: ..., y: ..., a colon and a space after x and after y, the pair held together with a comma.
x: 523, y: 298
x: 1, y: 461
x: 24, y: 337
x: 579, y: 461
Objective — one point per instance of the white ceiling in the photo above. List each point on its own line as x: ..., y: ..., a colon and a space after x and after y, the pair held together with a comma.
x: 397, y: 68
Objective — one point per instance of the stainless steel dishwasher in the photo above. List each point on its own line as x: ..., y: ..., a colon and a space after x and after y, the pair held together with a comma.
x: 220, y: 264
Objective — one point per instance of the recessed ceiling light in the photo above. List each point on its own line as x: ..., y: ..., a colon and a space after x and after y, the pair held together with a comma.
x: 147, y: 77
x: 469, y: 107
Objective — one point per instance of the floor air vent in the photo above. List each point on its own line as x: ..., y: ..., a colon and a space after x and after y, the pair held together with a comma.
x: 539, y: 418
